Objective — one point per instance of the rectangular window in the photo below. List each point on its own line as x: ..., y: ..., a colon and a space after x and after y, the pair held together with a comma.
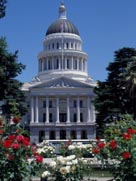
x: 81, y: 117
x: 50, y: 104
x: 50, y: 118
x: 44, y: 117
x: 75, y: 103
x: 44, y: 104
x: 75, y: 117
x: 81, y: 103
x: 68, y: 64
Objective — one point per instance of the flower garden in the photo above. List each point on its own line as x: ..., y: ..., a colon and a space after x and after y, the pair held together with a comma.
x: 21, y: 160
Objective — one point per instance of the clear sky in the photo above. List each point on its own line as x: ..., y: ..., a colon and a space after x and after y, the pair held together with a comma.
x: 104, y: 26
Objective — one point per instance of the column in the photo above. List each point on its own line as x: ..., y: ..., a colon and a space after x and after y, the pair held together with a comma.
x: 82, y: 64
x: 39, y: 65
x: 32, y: 109
x: 86, y: 66
x: 47, y: 64
x: 42, y: 64
x: 52, y: 63
x: 57, y: 134
x: 72, y: 63
x: 57, y: 109
x: 77, y: 63
x: 78, y: 134
x: 59, y: 63
x: 68, y: 134
x: 88, y: 110
x: 65, y: 63
x: 47, y: 109
x: 93, y: 113
x: 37, y: 110
x: 68, y: 111
x: 78, y: 110
x: 47, y: 134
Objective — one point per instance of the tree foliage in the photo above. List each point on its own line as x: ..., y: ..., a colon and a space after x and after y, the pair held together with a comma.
x: 117, y: 95
x: 10, y: 87
x: 2, y: 8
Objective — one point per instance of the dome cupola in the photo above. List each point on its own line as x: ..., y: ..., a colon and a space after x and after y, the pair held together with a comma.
x: 62, y: 24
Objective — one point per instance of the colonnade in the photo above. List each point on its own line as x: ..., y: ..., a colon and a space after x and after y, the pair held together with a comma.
x: 69, y: 63
x: 35, y: 111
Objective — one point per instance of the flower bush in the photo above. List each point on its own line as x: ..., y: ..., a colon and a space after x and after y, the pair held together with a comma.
x: 15, y: 151
x: 45, y: 149
x: 65, y: 168
x: 119, y: 149
x: 79, y: 149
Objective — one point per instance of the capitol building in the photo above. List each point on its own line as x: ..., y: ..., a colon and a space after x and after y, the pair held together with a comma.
x: 60, y: 96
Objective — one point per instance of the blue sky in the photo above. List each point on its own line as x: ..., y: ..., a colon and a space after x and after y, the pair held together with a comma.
x: 104, y: 26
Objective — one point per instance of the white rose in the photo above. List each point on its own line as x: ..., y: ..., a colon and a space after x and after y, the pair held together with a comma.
x: 45, y: 174
x: 52, y: 164
x: 71, y: 147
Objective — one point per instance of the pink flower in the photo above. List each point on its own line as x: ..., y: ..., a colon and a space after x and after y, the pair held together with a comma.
x: 20, y: 138
x: 39, y: 158
x: 15, y: 146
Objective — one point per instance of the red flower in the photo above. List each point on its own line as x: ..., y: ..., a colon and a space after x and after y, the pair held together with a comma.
x: 1, y: 122
x: 101, y: 145
x: 126, y: 155
x: 26, y: 141
x: 11, y: 137
x: 113, y: 144
x: 1, y: 131
x: 39, y: 158
x: 96, y: 150
x: 98, y: 138
x: 16, y: 120
x: 10, y: 157
x: 7, y: 143
x: 126, y: 136
x: 131, y: 131
x: 15, y: 146
x: 20, y: 138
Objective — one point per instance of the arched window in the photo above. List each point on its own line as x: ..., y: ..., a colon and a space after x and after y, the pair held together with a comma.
x: 57, y: 45
x: 75, y: 64
x: 67, y: 45
x: 68, y: 64
x: 71, y: 45
x: 53, y: 46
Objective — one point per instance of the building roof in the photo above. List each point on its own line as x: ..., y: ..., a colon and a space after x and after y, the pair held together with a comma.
x: 62, y: 25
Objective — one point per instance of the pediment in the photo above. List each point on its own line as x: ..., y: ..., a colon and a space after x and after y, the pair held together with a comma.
x: 63, y: 82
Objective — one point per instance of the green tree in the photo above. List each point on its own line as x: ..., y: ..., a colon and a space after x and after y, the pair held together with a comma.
x: 129, y: 76
x: 10, y: 89
x: 2, y: 8
x: 113, y: 95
